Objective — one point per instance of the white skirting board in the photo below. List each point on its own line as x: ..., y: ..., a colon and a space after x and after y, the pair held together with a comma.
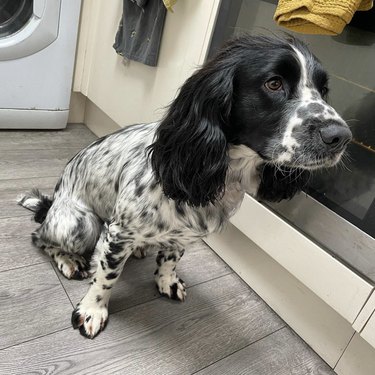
x: 309, y: 316
x: 33, y: 119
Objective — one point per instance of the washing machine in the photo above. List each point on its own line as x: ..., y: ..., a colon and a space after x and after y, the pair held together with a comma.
x: 37, y: 48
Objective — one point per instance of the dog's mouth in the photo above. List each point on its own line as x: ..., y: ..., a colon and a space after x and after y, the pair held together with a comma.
x: 316, y: 165
x: 325, y: 161
x: 307, y: 161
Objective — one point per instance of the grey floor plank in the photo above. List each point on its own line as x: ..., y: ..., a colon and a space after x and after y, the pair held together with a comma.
x: 136, y: 284
x: 11, y: 189
x: 32, y: 304
x: 75, y: 135
x: 281, y: 353
x: 15, y: 164
x: 158, y: 337
x: 15, y: 243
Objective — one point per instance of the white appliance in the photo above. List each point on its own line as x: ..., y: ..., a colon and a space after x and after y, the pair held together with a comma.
x: 37, y: 49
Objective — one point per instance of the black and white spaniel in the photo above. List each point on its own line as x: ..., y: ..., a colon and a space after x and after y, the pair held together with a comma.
x: 254, y: 119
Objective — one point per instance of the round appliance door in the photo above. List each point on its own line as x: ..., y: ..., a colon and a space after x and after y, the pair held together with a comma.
x: 27, y: 26
x: 14, y: 15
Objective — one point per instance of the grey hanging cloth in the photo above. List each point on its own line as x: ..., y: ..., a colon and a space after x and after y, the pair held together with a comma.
x: 139, y: 34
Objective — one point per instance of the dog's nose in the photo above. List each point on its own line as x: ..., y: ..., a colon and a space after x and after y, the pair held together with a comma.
x: 336, y: 136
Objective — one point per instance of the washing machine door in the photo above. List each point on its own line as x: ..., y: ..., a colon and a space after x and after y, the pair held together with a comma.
x: 27, y: 26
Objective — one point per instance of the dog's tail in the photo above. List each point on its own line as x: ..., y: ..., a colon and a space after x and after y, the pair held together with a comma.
x: 36, y: 202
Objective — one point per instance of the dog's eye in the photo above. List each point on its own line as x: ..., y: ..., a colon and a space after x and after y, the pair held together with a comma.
x: 274, y: 84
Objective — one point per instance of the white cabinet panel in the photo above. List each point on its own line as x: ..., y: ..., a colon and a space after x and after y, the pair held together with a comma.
x: 131, y: 92
x: 332, y: 281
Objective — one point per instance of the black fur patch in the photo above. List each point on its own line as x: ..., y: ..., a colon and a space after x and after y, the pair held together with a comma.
x: 115, y: 248
x: 117, y: 186
x: 76, y: 318
x: 112, y: 262
x: 159, y: 258
x: 57, y: 187
x: 111, y: 276
x: 174, y: 289
x: 42, y: 206
x: 277, y: 185
x: 139, y: 190
x: 172, y: 257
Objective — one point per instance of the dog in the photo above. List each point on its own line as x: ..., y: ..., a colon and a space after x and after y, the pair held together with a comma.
x: 253, y: 119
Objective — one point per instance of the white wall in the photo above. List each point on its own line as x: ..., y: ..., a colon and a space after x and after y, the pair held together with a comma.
x: 134, y: 92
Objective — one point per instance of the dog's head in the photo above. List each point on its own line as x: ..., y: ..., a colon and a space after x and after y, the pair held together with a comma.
x: 279, y: 106
x: 268, y: 94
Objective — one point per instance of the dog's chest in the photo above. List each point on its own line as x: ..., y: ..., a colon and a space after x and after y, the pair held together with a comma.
x: 181, y: 224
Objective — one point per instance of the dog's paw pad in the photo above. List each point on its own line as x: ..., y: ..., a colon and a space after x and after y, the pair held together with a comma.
x: 90, y: 320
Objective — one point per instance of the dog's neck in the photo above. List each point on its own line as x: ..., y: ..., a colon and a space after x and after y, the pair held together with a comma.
x: 243, y: 168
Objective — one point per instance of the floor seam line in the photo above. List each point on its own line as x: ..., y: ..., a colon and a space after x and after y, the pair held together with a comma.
x: 343, y: 352
x: 27, y: 265
x: 27, y: 213
x: 35, y: 338
x: 254, y: 342
x: 57, y: 275
x: 26, y: 178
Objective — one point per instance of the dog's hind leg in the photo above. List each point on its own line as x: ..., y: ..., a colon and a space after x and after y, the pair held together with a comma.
x: 72, y: 266
x: 68, y: 232
x: 167, y: 281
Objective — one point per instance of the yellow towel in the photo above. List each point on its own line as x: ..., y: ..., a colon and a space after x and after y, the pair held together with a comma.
x: 169, y: 4
x: 318, y: 16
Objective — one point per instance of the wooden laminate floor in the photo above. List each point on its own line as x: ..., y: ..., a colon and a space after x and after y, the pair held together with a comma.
x: 222, y: 328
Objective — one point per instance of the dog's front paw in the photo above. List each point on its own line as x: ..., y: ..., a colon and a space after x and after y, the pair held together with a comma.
x: 171, y: 286
x: 90, y: 317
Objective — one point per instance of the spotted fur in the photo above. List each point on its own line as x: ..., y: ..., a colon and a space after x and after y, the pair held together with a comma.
x: 170, y: 183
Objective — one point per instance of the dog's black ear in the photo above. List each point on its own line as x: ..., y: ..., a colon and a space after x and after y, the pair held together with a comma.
x: 189, y: 155
x: 277, y: 184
